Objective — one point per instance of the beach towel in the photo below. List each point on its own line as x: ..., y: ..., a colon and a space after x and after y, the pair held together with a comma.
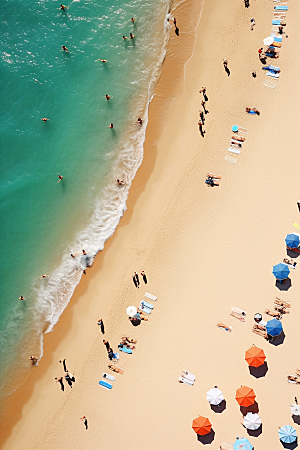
x: 296, y: 225
x: 281, y: 8
x: 186, y: 381
x: 105, y: 384
x: 273, y: 75
x: 125, y: 349
x: 277, y: 39
x: 234, y: 150
x: 152, y: 297
x: 275, y: 45
x: 144, y: 308
x: 189, y: 375
x: 276, y: 22
x: 109, y: 377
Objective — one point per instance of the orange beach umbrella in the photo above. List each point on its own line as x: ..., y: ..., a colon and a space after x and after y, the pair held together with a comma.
x: 245, y: 396
x: 255, y: 356
x: 201, y: 425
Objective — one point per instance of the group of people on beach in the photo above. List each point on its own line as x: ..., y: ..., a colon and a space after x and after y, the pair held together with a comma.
x: 69, y: 377
x: 136, y: 280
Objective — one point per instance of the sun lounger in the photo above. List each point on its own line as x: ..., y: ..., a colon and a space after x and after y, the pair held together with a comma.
x: 277, y: 39
x: 276, y: 22
x: 144, y: 308
x: 269, y: 83
x: 105, y: 384
x: 273, y: 75
x: 280, y: 302
x: 230, y: 159
x: 189, y: 375
x: 238, y: 311
x: 270, y: 67
x: 292, y: 379
x: 237, y: 316
x: 116, y: 369
x: 281, y: 8
x: 234, y: 150
x: 147, y: 304
x: 225, y: 446
x: 290, y: 263
x: 212, y: 175
x: 108, y: 377
x: 125, y: 349
x: 275, y: 314
x: 275, y: 45
x: 260, y: 332
x: 152, y: 297
x: 223, y: 326
x: 185, y: 380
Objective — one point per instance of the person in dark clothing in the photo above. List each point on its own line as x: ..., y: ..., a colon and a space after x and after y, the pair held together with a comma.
x: 177, y: 31
x: 101, y: 325
x: 134, y: 280
x: 106, y: 343
x: 144, y: 277
x: 60, y: 381
x: 64, y: 364
x: 68, y: 379
x: 137, y: 278
x: 111, y: 354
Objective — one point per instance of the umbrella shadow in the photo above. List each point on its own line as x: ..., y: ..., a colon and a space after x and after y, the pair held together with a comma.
x: 207, y: 438
x: 292, y: 254
x: 284, y: 286
x: 252, y: 408
x: 296, y: 419
x: 292, y: 445
x: 219, y: 408
x: 278, y: 340
x: 260, y: 371
x: 255, y: 433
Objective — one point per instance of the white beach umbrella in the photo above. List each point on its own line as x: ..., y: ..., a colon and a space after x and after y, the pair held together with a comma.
x: 252, y: 421
x: 131, y: 310
x: 215, y: 396
x: 269, y: 40
x: 295, y: 410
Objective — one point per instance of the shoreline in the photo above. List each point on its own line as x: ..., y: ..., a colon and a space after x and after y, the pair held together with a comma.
x: 158, y: 107
x: 204, y: 250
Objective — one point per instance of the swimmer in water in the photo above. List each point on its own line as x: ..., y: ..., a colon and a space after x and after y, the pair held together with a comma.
x: 111, y: 125
x: 133, y: 19
x: 44, y: 276
x: 124, y: 37
x: 120, y: 182
x: 44, y: 119
x: 102, y: 60
x: 107, y: 97
x: 131, y: 36
x: 139, y: 121
x: 64, y: 48
x: 63, y: 7
x: 60, y: 178
x: 22, y: 298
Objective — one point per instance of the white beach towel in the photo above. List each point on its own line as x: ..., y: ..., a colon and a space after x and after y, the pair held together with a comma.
x: 152, y: 297
x: 234, y: 150
x: 230, y: 159
x: 108, y: 377
x: 189, y: 375
x: 186, y: 381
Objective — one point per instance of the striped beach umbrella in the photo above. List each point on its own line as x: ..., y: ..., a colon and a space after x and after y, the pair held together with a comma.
x: 287, y: 434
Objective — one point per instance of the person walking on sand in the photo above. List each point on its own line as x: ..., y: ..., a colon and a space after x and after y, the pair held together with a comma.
x: 225, y: 62
x: 144, y: 277
x: 252, y: 23
x: 60, y: 381
x: 111, y: 354
x: 63, y: 361
x: 101, y: 325
x: 106, y: 343
x: 60, y: 177
x: 134, y: 280
x: 137, y: 278
x: 298, y: 203
x: 84, y: 420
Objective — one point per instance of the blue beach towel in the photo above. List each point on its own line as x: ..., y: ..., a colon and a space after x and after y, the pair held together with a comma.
x: 125, y: 349
x: 281, y: 8
x: 277, y: 39
x: 276, y: 22
x: 145, y: 308
x: 251, y: 112
x: 105, y: 384
x: 147, y: 304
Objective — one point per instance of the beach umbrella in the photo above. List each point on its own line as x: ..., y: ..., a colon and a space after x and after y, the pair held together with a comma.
x: 295, y: 409
x: 201, y: 425
x: 242, y: 444
x: 245, y: 396
x: 131, y: 310
x: 268, y: 40
x: 274, y: 327
x: 255, y: 356
x: 287, y: 434
x: 252, y: 421
x: 215, y: 396
x: 292, y: 240
x: 281, y: 271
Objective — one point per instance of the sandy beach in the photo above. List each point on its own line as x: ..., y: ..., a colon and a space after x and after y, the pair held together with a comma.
x: 204, y: 250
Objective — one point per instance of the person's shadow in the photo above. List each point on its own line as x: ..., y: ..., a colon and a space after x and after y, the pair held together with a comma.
x: 227, y: 70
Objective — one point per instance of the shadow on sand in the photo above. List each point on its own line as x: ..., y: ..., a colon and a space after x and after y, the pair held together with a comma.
x: 207, y: 438
x: 219, y: 408
x: 260, y: 371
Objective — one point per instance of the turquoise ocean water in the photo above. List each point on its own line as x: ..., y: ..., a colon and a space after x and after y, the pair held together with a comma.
x: 43, y: 222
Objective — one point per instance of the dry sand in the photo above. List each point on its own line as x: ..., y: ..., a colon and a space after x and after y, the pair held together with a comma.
x: 204, y: 250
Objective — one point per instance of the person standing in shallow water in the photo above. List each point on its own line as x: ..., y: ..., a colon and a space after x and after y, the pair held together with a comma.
x: 144, y: 277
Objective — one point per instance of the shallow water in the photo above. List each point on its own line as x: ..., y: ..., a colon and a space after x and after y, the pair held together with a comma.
x: 44, y: 221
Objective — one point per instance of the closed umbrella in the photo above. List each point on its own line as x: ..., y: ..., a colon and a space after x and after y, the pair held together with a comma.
x: 287, y: 434
x: 281, y: 271
x: 131, y: 310
x: 274, y: 327
x: 268, y: 40
x: 252, y: 421
x: 242, y: 444
x: 245, y: 396
x: 295, y: 409
x: 215, y: 396
x: 255, y: 356
x: 201, y: 425
x: 292, y: 240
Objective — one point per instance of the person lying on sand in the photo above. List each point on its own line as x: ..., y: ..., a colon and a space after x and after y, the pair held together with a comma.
x: 124, y: 343
x: 238, y: 138
x: 115, y: 369
x: 294, y: 379
x: 252, y: 111
x: 131, y: 341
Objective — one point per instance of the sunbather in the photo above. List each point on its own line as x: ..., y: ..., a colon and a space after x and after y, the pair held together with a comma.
x: 252, y: 111
x: 290, y: 261
x: 238, y: 138
x: 295, y: 379
x: 211, y: 175
x: 116, y: 369
x: 275, y: 314
x: 131, y: 341
x: 222, y: 325
x: 127, y: 344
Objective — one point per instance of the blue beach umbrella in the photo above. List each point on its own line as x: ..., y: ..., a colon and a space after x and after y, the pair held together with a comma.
x: 281, y: 271
x: 292, y: 240
x: 287, y: 434
x: 242, y: 444
x: 274, y: 327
